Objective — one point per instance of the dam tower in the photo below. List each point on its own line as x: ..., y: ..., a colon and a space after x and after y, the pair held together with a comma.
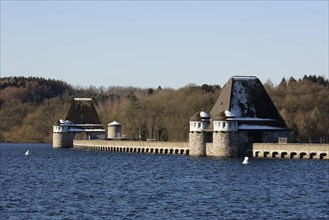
x: 243, y: 114
x: 81, y: 122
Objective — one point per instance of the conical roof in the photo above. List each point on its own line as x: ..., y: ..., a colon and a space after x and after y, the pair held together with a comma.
x: 114, y: 123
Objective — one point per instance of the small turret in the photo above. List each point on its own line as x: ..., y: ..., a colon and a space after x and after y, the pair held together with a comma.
x: 224, y: 136
x: 198, y: 122
x: 62, y: 138
x: 114, y: 130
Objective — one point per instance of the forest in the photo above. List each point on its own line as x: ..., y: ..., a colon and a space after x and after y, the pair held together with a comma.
x: 29, y: 107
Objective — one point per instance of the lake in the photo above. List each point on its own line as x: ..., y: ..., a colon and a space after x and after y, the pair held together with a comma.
x: 74, y: 184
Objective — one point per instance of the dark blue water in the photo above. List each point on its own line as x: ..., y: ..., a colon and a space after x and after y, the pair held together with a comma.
x: 72, y: 184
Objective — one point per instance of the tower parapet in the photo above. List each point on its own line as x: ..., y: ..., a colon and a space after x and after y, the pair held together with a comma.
x: 225, y: 122
x: 199, y: 121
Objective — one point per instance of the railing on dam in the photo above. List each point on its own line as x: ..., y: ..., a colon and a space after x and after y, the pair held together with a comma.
x: 293, y: 151
x: 146, y: 147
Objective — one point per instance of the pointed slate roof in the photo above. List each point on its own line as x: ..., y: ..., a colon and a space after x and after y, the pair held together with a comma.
x: 248, y: 100
x: 82, y: 111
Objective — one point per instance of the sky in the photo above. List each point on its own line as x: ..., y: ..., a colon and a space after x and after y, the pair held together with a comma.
x: 163, y: 43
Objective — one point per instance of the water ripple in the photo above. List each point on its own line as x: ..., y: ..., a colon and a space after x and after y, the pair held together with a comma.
x: 70, y: 184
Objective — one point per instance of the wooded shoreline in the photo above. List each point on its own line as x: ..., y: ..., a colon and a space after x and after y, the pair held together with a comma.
x: 29, y: 107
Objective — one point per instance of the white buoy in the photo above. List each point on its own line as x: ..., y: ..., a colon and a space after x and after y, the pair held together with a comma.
x: 245, y: 161
x: 27, y: 152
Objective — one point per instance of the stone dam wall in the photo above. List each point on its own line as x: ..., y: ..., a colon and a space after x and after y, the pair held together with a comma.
x: 291, y: 150
x: 148, y: 147
x: 258, y: 150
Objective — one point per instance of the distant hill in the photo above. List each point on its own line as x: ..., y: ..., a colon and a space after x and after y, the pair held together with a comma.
x: 32, y: 89
x: 30, y: 106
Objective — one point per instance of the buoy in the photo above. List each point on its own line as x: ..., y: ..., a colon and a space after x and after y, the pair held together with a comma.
x: 245, y: 161
x: 27, y: 152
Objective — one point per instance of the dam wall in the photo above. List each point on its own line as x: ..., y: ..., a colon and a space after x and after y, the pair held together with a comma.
x: 291, y: 150
x: 147, y: 147
x: 258, y: 150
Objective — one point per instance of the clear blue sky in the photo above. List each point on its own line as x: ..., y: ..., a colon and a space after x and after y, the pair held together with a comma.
x: 167, y: 43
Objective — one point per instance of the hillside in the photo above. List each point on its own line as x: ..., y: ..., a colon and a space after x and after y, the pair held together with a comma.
x: 30, y: 106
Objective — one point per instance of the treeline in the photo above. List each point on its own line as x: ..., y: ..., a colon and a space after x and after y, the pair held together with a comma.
x: 154, y: 113
x: 29, y: 107
x: 304, y: 105
x: 32, y: 90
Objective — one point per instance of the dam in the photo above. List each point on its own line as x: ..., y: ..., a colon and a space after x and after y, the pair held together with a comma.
x: 291, y: 150
x: 147, y: 147
x: 258, y: 150
x: 242, y: 122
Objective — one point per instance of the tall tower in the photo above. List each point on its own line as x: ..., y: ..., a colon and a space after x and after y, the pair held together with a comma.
x: 197, y: 142
x: 244, y: 114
